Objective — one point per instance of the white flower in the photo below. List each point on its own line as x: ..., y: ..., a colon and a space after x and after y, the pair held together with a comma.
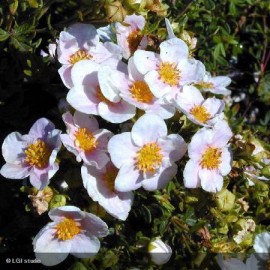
x: 197, y: 109
x: 159, y: 251
x: 100, y: 187
x: 146, y: 156
x: 210, y: 158
x: 262, y: 245
x: 71, y: 231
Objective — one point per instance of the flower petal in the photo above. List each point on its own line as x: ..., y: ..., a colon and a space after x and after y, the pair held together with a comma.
x: 191, y: 174
x: 147, y: 129
x: 128, y: 178
x: 226, y: 162
x: 13, y: 171
x: 160, y: 180
x: 121, y: 149
x: 41, y: 128
x: 84, y: 246
x: 211, y: 180
x: 85, y: 121
x: 145, y: 61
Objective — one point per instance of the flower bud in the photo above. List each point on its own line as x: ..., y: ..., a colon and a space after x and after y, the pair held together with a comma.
x: 115, y: 12
x: 225, y: 200
x: 57, y: 201
x: 159, y: 251
x: 266, y: 171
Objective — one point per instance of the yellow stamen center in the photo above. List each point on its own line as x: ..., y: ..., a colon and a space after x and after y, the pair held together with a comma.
x: 85, y: 139
x: 78, y: 56
x: 169, y: 73
x: 200, y: 113
x: 211, y: 158
x: 37, y: 154
x: 67, y: 229
x: 109, y: 177
x: 204, y: 85
x: 101, y: 97
x: 140, y: 91
x: 134, y: 39
x: 149, y: 158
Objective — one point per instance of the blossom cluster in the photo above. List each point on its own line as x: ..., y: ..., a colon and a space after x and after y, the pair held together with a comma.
x: 121, y: 81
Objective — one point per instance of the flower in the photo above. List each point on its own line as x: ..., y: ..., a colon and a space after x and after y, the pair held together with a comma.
x: 215, y: 85
x: 133, y: 89
x: 168, y: 72
x: 129, y: 34
x: 90, y: 93
x: 79, y: 42
x: 262, y: 245
x: 145, y: 156
x: 85, y: 140
x: 252, y: 263
x: 210, y: 158
x: 159, y: 251
x: 200, y: 111
x: 72, y: 231
x: 100, y: 187
x: 32, y: 155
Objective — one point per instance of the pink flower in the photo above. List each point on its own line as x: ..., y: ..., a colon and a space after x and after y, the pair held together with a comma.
x: 71, y: 231
x: 100, y: 187
x: 210, y: 158
x: 215, y: 85
x: 146, y: 156
x: 129, y: 34
x: 80, y: 42
x: 85, y: 140
x: 33, y: 154
x: 89, y: 94
x: 168, y: 72
x: 199, y: 110
x: 132, y: 87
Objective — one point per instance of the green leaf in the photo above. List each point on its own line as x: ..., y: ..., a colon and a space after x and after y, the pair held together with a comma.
x: 4, y: 35
x: 21, y: 46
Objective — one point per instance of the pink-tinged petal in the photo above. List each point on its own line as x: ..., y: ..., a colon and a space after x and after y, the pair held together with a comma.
x: 72, y: 212
x: 105, y: 51
x: 53, y: 139
x: 121, y: 149
x: 169, y: 29
x: 103, y: 136
x: 189, y: 97
x: 69, y: 144
x: 85, y: 34
x: 191, y: 174
x: 84, y: 246
x: 211, y: 180
x: 214, y: 106
x: 160, y: 180
x: 117, y: 204
x: 68, y: 120
x: 53, y: 169
x: 147, y: 129
x: 117, y: 112
x: 145, y: 61
x: 111, y: 82
x: 220, y: 84
x: 94, y: 225
x: 191, y: 71
x: 135, y: 21
x: 173, y: 146
x: 199, y: 142
x: 128, y: 178
x: 13, y: 148
x: 133, y: 72
x: 226, y: 162
x: 39, y: 180
x: 41, y: 128
x: 157, y: 87
x: 173, y: 50
x: 48, y: 248
x: 85, y: 121
x: 65, y: 75
x: 165, y: 111
x: 84, y: 72
x: 96, y: 158
x: 221, y: 133
x: 13, y: 171
x: 83, y: 99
